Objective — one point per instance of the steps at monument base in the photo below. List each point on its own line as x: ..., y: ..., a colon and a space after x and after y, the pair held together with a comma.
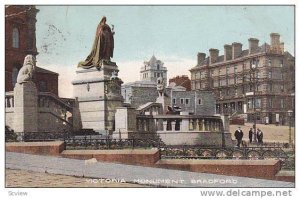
x: 264, y: 169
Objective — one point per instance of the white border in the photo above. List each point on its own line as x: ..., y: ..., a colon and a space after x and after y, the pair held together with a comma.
x: 129, y: 192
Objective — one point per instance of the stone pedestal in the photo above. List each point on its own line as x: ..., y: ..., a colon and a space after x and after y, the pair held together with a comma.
x: 99, y: 94
x: 26, y: 107
x: 125, y: 122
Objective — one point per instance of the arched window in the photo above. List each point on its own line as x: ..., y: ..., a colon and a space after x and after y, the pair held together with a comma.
x: 15, y: 38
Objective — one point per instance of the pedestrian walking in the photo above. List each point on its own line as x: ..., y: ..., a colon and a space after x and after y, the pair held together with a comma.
x: 239, y: 136
x: 260, y: 136
x: 250, y: 135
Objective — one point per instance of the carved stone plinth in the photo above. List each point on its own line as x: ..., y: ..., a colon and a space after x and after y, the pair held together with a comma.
x: 26, y: 107
x: 99, y: 94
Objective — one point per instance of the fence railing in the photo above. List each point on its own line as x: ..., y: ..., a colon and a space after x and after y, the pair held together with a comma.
x: 98, y: 142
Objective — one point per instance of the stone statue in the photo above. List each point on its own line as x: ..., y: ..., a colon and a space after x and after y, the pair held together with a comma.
x: 103, y: 47
x: 160, y: 86
x: 26, y: 73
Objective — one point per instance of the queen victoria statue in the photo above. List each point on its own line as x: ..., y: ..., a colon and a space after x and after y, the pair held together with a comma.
x: 102, y: 49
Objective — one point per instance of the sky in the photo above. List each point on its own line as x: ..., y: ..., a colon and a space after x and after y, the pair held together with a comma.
x: 174, y: 34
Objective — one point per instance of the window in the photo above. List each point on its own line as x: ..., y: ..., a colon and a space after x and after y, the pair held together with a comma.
x: 235, y: 69
x: 211, y: 72
x: 270, y: 102
x: 219, y: 72
x: 227, y: 92
x: 227, y: 70
x: 181, y: 101
x: 282, y: 103
x: 187, y: 101
x: 282, y: 88
x: 158, y: 74
x: 200, y: 101
x: 271, y: 86
x: 258, y: 103
x: 15, y: 38
x: 236, y: 91
x: 157, y: 66
x: 235, y: 79
x: 270, y: 62
x: 270, y: 74
x: 281, y: 63
x: 174, y: 100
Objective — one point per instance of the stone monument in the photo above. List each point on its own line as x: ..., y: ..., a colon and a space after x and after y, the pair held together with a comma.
x: 25, y: 98
x: 162, y: 98
x: 97, y: 85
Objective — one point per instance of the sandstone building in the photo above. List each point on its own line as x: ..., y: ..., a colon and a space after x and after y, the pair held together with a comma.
x: 270, y: 82
x: 20, y: 40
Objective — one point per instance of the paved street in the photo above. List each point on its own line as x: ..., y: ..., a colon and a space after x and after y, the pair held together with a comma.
x: 29, y: 179
x: 130, y: 174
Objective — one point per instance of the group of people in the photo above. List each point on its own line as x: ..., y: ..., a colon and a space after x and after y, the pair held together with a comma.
x: 239, y: 136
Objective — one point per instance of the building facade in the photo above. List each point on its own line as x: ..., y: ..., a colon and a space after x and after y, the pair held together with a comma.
x: 20, y: 40
x: 257, y: 81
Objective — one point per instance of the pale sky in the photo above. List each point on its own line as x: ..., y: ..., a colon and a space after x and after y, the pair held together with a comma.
x: 174, y: 34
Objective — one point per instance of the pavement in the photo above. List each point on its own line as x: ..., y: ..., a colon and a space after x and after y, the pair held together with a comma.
x: 30, y: 179
x: 272, y: 133
x: 155, y: 177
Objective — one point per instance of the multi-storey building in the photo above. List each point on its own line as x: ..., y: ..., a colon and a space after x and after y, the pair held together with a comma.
x: 259, y: 80
x: 20, y: 40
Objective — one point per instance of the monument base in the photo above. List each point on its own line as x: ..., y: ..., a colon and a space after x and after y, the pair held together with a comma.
x: 25, y: 108
x: 99, y: 94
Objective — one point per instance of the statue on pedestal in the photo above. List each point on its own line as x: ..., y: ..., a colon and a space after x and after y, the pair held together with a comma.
x: 26, y: 73
x: 160, y: 86
x: 103, y: 47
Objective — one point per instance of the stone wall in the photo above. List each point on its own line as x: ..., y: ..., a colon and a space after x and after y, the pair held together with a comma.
x: 36, y: 148
x: 206, y: 107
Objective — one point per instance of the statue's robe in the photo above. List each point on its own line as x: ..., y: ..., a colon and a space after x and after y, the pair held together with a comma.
x: 102, y: 49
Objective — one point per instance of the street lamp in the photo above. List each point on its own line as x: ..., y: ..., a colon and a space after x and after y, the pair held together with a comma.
x: 253, y: 72
x: 290, y: 113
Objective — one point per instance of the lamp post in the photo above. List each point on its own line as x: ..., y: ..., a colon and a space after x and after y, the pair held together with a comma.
x: 290, y: 113
x: 253, y: 72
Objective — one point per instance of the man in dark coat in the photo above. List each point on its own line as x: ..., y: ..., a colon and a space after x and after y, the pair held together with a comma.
x: 250, y: 135
x: 239, y: 136
x: 260, y: 136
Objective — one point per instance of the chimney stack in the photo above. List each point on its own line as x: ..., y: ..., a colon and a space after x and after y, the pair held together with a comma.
x: 227, y: 52
x: 213, y: 53
x: 275, y: 39
x: 201, y: 57
x: 253, y: 45
x: 276, y: 46
x: 236, y: 50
